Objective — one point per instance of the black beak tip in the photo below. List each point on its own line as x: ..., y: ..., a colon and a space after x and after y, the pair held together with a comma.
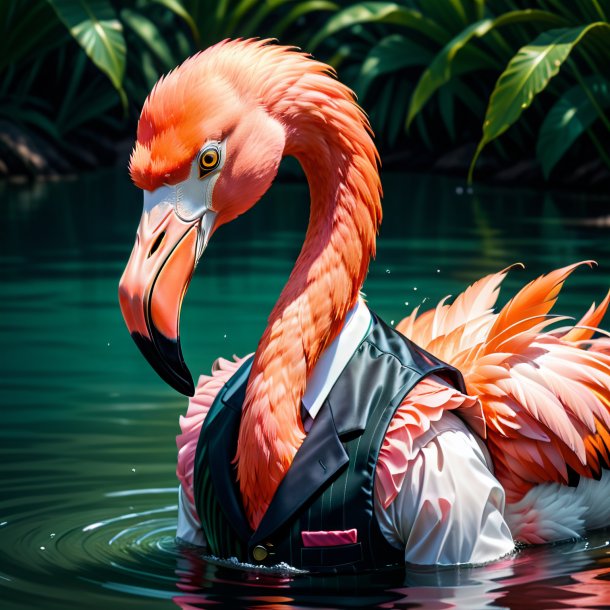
x: 165, y: 356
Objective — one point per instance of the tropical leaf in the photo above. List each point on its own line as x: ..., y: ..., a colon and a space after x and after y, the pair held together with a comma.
x: 469, y: 97
x: 178, y: 9
x: 383, y: 105
x: 447, y: 110
x: 92, y: 103
x: 238, y: 12
x: 69, y: 94
x: 393, y: 53
x: 27, y: 30
x: 450, y: 14
x: 527, y: 74
x: 94, y: 25
x: 150, y: 35
x: 569, y: 118
x: 397, y: 112
x: 441, y: 69
x: 19, y: 114
x: 84, y: 99
x: 252, y: 26
x: 380, y: 12
x: 301, y: 9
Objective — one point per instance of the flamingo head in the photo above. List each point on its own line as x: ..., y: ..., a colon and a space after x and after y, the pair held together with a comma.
x: 207, y: 149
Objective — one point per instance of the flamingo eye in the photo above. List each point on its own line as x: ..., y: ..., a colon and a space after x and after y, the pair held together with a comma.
x: 209, y: 159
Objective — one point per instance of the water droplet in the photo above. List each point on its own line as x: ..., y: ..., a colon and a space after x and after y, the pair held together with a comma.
x: 438, y: 270
x: 459, y: 190
x: 392, y: 322
x: 225, y: 335
x: 108, y: 343
x: 407, y: 303
x: 414, y: 287
x: 524, y: 105
x: 3, y: 523
x: 387, y: 271
x: 52, y: 535
x: 470, y: 190
x: 42, y: 548
x: 133, y: 470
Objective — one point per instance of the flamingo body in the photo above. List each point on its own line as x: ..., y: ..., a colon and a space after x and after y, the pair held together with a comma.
x: 210, y: 139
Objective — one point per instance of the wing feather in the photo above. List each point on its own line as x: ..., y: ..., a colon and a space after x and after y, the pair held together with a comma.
x: 545, y: 395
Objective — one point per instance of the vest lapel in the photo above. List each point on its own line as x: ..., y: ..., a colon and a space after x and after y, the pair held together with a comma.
x: 318, y: 459
x: 322, y: 454
x: 222, y: 433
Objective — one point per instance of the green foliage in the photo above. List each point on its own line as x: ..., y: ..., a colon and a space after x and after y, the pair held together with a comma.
x: 94, y: 25
x: 571, y: 116
x: 452, y: 59
x: 27, y: 30
x: 392, y: 54
x: 388, y: 13
x: 74, y: 71
x: 291, y: 21
x: 527, y: 74
x: 513, y: 75
x: 80, y: 69
x: 441, y: 59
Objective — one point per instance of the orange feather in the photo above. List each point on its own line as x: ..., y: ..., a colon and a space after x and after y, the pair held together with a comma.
x: 545, y: 399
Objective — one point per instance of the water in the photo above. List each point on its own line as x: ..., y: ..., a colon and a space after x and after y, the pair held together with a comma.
x: 87, y: 454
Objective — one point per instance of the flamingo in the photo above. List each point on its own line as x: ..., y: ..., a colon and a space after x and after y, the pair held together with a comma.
x: 210, y: 139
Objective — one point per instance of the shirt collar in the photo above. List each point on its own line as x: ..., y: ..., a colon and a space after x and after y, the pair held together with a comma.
x: 331, y: 363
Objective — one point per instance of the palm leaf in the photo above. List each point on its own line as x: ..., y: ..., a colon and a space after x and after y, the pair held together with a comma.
x: 393, y: 53
x: 441, y: 69
x: 526, y: 75
x: 574, y: 112
x: 380, y: 12
x: 94, y: 25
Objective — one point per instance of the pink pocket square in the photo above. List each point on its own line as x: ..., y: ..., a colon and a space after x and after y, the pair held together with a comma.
x: 331, y: 538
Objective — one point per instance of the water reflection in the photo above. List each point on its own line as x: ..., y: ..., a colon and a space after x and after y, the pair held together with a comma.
x: 565, y: 577
x: 88, y: 509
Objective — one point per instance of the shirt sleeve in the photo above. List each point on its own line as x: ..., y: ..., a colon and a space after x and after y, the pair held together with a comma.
x: 450, y: 507
x: 189, y: 529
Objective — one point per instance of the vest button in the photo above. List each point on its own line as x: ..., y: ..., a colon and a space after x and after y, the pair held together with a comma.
x: 260, y: 553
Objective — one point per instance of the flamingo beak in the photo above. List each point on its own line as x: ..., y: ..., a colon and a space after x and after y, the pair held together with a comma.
x: 155, y: 280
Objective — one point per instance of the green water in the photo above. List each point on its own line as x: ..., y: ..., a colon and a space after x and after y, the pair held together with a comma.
x: 87, y: 454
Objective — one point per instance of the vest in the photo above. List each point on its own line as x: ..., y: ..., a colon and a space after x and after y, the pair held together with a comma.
x: 330, y: 483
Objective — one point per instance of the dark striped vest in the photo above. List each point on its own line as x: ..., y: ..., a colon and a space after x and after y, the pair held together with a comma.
x: 330, y: 484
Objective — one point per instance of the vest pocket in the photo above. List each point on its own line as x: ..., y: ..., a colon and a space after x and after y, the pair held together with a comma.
x: 313, y: 557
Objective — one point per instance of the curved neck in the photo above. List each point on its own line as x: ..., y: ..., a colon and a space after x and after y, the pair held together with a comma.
x: 312, y: 307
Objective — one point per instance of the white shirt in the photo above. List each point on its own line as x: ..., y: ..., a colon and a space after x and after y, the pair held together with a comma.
x: 450, y: 508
